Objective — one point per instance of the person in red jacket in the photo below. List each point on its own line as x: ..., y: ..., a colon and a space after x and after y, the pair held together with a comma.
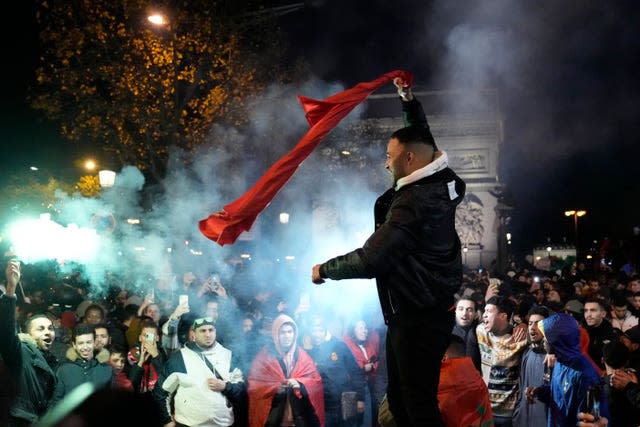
x: 285, y: 388
x: 463, y: 397
x: 365, y: 346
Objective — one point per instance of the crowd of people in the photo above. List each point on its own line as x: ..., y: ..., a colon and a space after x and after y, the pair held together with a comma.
x: 529, y: 349
x: 558, y: 348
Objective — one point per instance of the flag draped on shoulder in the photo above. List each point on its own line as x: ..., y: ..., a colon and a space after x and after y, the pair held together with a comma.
x: 225, y: 226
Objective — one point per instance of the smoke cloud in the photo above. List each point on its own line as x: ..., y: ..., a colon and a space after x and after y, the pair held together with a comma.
x: 146, y: 235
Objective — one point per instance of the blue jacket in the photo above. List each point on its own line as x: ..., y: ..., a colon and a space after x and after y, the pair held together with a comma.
x: 572, y: 374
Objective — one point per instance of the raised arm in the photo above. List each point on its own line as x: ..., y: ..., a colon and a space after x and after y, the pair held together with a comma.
x: 9, y: 342
x: 412, y: 112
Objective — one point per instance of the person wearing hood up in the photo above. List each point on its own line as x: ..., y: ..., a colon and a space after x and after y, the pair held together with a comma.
x: 285, y: 387
x: 572, y: 377
x: 27, y: 356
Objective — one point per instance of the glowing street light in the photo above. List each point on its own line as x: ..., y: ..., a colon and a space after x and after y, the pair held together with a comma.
x: 157, y: 19
x: 284, y: 218
x: 575, y: 214
x: 107, y: 178
x: 90, y: 164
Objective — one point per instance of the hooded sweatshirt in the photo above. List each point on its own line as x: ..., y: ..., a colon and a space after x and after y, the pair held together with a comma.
x: 270, y: 369
x: 573, y: 374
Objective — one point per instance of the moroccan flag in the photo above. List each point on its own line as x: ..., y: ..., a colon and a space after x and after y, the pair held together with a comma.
x: 225, y: 226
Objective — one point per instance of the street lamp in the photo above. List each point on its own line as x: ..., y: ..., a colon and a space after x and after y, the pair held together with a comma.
x: 89, y: 164
x: 576, y: 214
x: 157, y: 19
x: 107, y: 178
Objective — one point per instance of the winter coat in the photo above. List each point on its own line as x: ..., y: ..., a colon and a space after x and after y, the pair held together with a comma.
x: 339, y: 371
x: 598, y: 337
x: 31, y: 368
x: 76, y: 371
x: 415, y: 252
x: 187, y: 382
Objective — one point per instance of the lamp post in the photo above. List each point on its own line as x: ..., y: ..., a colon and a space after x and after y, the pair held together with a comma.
x: 575, y: 214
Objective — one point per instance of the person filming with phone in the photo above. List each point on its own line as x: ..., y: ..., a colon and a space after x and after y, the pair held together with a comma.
x: 146, y: 359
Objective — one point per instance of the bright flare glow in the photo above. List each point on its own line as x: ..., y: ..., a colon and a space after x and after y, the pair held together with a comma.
x: 157, y: 19
x: 90, y: 165
x: 581, y: 213
x: 345, y: 152
x: 284, y: 218
x: 133, y: 221
x: 33, y: 168
x: 245, y: 256
x: 549, y: 248
x: 589, y: 257
x: 289, y: 257
x: 43, y: 239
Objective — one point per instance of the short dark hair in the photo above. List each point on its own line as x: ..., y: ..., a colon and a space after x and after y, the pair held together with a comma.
x: 619, y: 301
x: 456, y: 346
x: 93, y: 307
x: 414, y: 134
x: 504, y: 304
x: 27, y: 323
x: 102, y: 326
x: 600, y: 302
x: 148, y: 323
x: 468, y: 298
x: 540, y: 310
x: 82, y: 329
x: 117, y: 349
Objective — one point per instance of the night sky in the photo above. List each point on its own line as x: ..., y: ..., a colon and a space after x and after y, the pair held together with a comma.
x: 567, y: 73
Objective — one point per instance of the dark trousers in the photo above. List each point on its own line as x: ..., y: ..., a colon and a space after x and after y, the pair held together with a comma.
x: 414, y: 356
x: 333, y: 418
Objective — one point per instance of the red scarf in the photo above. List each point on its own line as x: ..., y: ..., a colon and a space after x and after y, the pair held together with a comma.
x: 371, y: 345
x: 225, y: 226
x: 266, y: 376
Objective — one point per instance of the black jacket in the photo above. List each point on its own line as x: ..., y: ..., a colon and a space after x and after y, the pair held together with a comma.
x: 339, y: 371
x: 415, y: 252
x: 76, y: 371
x: 598, y: 337
x: 468, y: 335
x: 31, y: 368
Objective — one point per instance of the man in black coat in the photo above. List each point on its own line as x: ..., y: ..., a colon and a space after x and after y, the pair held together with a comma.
x: 342, y: 378
x: 415, y: 256
x: 27, y: 356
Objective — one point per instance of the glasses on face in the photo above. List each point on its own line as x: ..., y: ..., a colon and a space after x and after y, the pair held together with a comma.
x: 202, y: 320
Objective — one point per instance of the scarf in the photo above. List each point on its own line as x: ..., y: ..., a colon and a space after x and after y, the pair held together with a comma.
x: 225, y: 226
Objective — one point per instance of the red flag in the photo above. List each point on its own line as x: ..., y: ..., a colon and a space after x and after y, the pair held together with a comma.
x: 225, y: 226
